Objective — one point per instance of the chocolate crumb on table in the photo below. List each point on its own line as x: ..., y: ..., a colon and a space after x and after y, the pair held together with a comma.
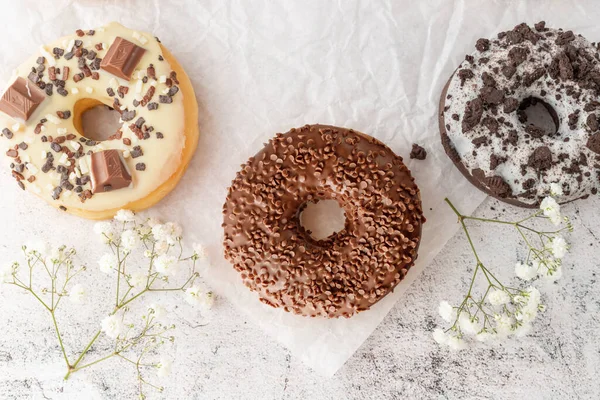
x: 418, y: 152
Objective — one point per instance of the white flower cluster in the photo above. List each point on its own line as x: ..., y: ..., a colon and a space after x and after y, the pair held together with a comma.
x: 504, y: 315
x: 504, y: 311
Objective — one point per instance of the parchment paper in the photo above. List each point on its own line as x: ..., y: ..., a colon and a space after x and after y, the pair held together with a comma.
x: 261, y: 67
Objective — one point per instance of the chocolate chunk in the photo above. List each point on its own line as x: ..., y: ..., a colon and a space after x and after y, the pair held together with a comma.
x: 56, y: 192
x: 69, y: 55
x: 498, y: 186
x: 514, y: 37
x: 165, y: 99
x: 23, y: 146
x: 509, y: 70
x: 40, y: 60
x: 159, y: 135
x: 109, y: 171
x: 491, y: 124
x: 127, y: 141
x: 122, y: 58
x: 64, y: 114
x: 482, y: 45
x: 140, y: 166
x: 62, y: 91
x: 58, y: 52
x: 540, y: 26
x: 140, y: 121
x: 418, y: 152
x: 136, y: 152
x: 79, y: 33
x: 12, y: 153
x: 530, y: 78
x: 491, y: 95
x: 512, y: 138
x: 488, y: 80
x: 56, y: 147
x: 128, y: 115
x: 7, y: 133
x: 48, y: 89
x: 496, y: 160
x: 593, y: 143
x: 110, y: 92
x: 78, y: 77
x: 510, y: 105
x: 565, y: 37
x: 152, y: 106
x: 541, y: 158
x: 173, y: 91
x: 465, y: 74
x: 21, y: 99
x: 151, y: 72
x: 535, y: 132
x: 518, y: 54
x: 592, y: 122
x: 472, y: 114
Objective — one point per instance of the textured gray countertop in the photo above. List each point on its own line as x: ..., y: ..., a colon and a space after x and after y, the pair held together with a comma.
x: 231, y: 359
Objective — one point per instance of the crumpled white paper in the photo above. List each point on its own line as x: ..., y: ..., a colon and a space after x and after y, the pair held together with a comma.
x: 261, y: 67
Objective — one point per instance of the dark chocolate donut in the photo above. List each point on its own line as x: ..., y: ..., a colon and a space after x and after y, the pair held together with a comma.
x: 485, y: 130
x: 352, y: 269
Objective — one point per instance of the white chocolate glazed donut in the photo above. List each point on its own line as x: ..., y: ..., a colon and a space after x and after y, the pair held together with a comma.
x: 49, y: 155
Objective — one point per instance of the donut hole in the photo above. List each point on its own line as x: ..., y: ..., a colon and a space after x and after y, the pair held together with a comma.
x: 95, y: 120
x: 535, y: 111
x: 321, y: 219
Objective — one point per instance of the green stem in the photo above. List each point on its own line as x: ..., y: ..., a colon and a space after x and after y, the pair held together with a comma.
x: 94, y: 362
x: 83, y: 353
x: 60, y: 341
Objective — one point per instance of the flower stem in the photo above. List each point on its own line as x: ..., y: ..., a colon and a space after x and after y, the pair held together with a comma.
x: 62, y: 346
x: 73, y: 367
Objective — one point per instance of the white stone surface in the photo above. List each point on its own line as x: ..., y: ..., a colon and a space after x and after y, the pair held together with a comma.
x: 230, y: 359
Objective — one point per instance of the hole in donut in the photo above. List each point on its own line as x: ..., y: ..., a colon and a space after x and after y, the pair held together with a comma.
x: 535, y: 111
x: 97, y: 121
x: 322, y: 218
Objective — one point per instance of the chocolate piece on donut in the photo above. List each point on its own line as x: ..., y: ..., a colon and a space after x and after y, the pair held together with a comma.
x: 122, y: 58
x: 109, y: 171
x: 488, y: 110
x: 21, y: 99
x: 355, y: 267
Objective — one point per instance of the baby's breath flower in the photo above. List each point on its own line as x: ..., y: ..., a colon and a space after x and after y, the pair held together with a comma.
x: 38, y: 247
x: 166, y: 265
x: 157, y: 311
x: 151, y: 222
x: 169, y: 232
x: 551, y: 210
x: 504, y: 324
x: 440, y: 336
x: 200, y: 251
x: 196, y: 295
x: 484, y: 336
x: 125, y: 216
x: 456, y: 343
x: 164, y: 368
x: 112, y: 326
x: 498, y: 297
x: 6, y: 272
x: 525, y: 271
x: 137, y: 279
x: 161, y: 247
x: 108, y: 263
x: 78, y: 294
x: 468, y: 325
x: 105, y: 230
x: 129, y: 239
x: 446, y: 311
x: 556, y: 190
x: 559, y: 247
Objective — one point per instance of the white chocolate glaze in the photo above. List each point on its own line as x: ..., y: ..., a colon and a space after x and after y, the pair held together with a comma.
x: 161, y: 157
